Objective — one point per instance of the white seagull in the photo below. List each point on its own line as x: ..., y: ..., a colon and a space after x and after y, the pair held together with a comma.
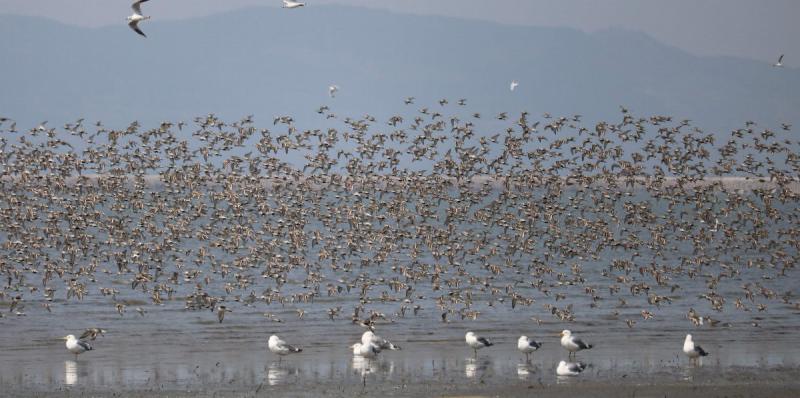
x: 292, y: 4
x: 76, y: 346
x: 571, y: 343
x: 513, y: 85
x: 133, y: 20
x: 332, y: 89
x: 370, y: 338
x: 780, y: 62
x: 368, y: 350
x: 527, y: 346
x: 570, y: 368
x: 477, y: 342
x: 691, y: 350
x: 278, y: 346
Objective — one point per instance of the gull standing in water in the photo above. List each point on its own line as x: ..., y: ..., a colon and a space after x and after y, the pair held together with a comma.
x: 527, y: 346
x: 370, y: 338
x: 133, y: 20
x: 292, y: 4
x: 572, y: 344
x: 570, y: 368
x: 513, y: 85
x: 477, y: 342
x: 76, y: 346
x: 367, y: 350
x: 691, y: 350
x: 278, y: 346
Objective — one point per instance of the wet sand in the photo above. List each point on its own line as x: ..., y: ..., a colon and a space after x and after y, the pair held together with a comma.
x: 234, y: 362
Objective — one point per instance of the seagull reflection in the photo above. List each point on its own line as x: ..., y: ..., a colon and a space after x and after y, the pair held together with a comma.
x: 278, y: 375
x: 70, y: 372
x: 472, y: 367
x: 524, y: 370
x: 363, y: 365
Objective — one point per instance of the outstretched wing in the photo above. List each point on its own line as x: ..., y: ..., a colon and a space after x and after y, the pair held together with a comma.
x: 137, y: 6
x: 135, y: 26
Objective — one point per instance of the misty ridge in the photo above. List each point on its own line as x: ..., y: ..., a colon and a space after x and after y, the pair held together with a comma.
x: 265, y: 62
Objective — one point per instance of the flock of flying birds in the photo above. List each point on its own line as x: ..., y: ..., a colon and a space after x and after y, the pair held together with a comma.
x: 418, y: 213
x: 454, y: 211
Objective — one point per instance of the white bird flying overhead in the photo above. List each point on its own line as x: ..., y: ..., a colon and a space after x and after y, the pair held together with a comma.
x: 133, y: 20
x: 513, y: 85
x: 527, y: 346
x: 780, y: 62
x: 572, y: 344
x: 76, y: 346
x: 332, y: 89
x: 278, y: 346
x: 570, y: 368
x: 477, y: 342
x: 691, y: 350
x: 292, y: 4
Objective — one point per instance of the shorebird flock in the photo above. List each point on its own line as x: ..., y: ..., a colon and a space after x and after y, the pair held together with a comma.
x: 433, y: 211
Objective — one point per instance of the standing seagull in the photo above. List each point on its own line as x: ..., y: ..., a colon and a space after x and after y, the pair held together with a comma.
x: 369, y: 338
x: 780, y: 62
x: 527, y: 346
x: 278, y: 346
x: 572, y: 344
x: 76, y: 346
x: 292, y: 4
x: 513, y: 85
x: 477, y: 342
x: 133, y: 20
x: 332, y: 89
x: 691, y: 350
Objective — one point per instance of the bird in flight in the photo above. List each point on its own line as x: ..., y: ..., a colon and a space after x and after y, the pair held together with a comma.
x: 780, y: 62
x: 513, y: 85
x: 292, y: 4
x: 133, y: 20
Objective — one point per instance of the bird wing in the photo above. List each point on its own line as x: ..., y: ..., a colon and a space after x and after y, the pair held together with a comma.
x: 576, y: 367
x: 134, y: 25
x: 581, y: 344
x: 700, y: 350
x: 87, y: 333
x: 293, y: 348
x: 137, y: 6
x: 780, y: 59
x: 84, y: 345
x: 483, y: 341
x: 534, y: 344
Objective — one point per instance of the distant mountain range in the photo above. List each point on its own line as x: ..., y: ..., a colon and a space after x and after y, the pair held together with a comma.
x: 268, y: 61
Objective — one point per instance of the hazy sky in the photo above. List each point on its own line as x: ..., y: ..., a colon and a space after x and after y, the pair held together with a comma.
x: 747, y: 28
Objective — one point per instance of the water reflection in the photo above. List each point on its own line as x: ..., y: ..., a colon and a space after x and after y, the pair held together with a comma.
x: 476, y: 367
x: 364, y: 366
x: 70, y: 372
x: 276, y: 375
x: 524, y: 370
